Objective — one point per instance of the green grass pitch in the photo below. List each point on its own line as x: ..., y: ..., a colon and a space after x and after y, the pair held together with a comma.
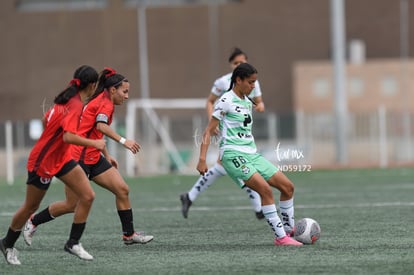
x: 366, y: 217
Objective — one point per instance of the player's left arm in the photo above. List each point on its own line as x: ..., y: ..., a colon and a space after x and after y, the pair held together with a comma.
x: 257, y: 97
x: 105, y: 129
x: 259, y: 107
x: 211, y: 100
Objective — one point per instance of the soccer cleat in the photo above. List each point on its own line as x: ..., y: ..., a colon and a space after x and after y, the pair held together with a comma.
x: 260, y: 215
x: 78, y: 250
x: 286, y: 240
x: 137, y: 237
x: 185, y: 204
x: 28, y: 231
x: 10, y: 254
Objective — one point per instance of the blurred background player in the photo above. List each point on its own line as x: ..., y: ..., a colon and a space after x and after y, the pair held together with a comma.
x: 221, y: 86
x: 95, y: 122
x: 52, y: 156
x: 238, y: 153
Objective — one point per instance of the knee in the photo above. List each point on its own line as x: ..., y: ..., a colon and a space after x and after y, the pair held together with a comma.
x: 123, y: 190
x: 289, y: 189
x: 88, y: 197
x: 266, y: 193
x: 91, y: 197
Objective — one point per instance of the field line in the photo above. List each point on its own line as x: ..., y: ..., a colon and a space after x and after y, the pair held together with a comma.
x: 298, y: 206
x: 6, y: 214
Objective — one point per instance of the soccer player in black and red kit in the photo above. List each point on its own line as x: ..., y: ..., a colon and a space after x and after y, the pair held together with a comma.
x: 52, y: 156
x: 113, y: 89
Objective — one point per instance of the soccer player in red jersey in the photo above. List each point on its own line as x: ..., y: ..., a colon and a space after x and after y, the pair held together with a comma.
x: 95, y: 122
x: 52, y: 156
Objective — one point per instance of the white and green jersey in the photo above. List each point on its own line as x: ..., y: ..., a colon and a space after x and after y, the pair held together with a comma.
x: 222, y: 84
x: 235, y: 116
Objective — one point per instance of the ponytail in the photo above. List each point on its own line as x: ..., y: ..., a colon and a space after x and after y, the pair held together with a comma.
x: 67, y: 94
x: 82, y: 77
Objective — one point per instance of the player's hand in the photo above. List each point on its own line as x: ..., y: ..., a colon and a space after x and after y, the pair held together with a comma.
x: 216, y: 131
x: 202, y: 167
x: 132, y: 146
x: 100, y: 144
x: 112, y: 161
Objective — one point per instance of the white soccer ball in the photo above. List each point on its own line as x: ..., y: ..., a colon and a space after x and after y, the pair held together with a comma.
x: 307, y: 231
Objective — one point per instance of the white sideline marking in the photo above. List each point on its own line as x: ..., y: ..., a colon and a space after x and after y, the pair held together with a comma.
x: 6, y: 214
x: 315, y: 206
x: 299, y: 206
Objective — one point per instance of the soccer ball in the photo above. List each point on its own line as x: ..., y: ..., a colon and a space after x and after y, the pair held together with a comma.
x: 307, y: 231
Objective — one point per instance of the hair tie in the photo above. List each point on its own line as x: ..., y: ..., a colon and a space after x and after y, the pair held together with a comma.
x: 75, y: 81
x: 110, y: 72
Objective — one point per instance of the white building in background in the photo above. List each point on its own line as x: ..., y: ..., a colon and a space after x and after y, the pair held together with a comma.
x: 380, y: 104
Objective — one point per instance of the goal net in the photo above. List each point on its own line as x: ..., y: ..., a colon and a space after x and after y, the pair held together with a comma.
x: 167, y: 130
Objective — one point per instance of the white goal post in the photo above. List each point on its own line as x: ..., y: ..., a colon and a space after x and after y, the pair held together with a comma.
x: 148, y: 106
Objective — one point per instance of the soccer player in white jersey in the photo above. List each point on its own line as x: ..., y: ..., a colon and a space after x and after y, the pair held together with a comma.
x: 221, y: 85
x: 239, y: 157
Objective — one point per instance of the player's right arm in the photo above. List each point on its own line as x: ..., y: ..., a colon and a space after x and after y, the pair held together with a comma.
x: 219, y: 112
x: 211, y: 127
x: 217, y: 90
x: 73, y: 138
x: 210, y: 104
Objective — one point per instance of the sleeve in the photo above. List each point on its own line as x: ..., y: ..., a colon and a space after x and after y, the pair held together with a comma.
x: 220, y: 109
x: 104, y: 112
x: 218, y: 88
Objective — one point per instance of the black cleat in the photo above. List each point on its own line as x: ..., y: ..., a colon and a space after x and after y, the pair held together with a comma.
x: 259, y: 215
x: 185, y: 204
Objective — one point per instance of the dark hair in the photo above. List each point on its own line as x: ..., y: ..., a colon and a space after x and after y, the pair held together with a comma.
x: 242, y: 71
x: 82, y: 77
x: 236, y: 52
x: 108, y: 78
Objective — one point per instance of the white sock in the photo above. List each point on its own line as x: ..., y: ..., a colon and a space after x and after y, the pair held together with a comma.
x: 255, y: 199
x: 205, y: 181
x: 287, y: 213
x: 273, y: 220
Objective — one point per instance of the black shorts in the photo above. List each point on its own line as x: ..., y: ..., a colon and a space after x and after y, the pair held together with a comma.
x: 93, y: 170
x: 44, y: 183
